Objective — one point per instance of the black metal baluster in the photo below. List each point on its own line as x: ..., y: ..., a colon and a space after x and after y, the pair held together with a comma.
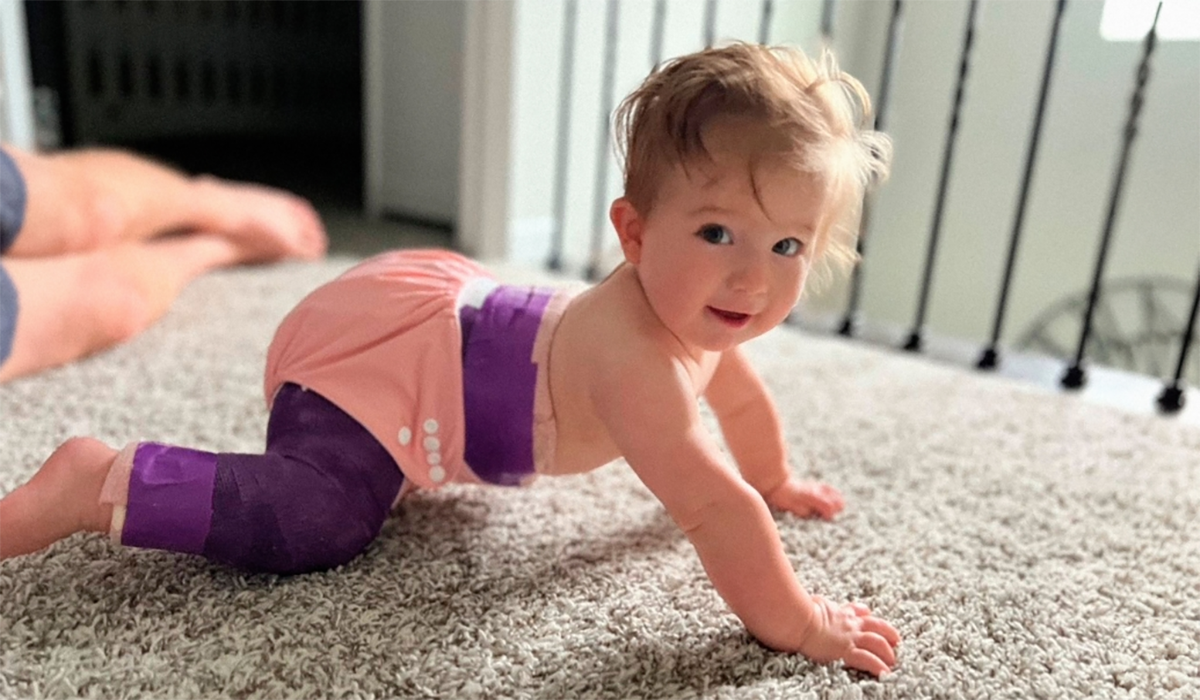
x: 915, y: 338
x: 710, y: 23
x: 827, y: 21
x: 656, y: 34
x: 890, y: 52
x: 764, y: 22
x: 990, y: 357
x: 1076, y: 375
x: 564, y: 137
x: 1171, y: 398
x: 606, y: 98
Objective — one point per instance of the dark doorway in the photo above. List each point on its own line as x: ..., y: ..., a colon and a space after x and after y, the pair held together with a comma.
x: 268, y: 91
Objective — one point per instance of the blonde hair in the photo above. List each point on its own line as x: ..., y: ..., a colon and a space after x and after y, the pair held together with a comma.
x: 817, y: 116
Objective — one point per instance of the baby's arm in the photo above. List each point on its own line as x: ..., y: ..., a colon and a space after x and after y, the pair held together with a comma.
x: 754, y: 433
x: 653, y: 418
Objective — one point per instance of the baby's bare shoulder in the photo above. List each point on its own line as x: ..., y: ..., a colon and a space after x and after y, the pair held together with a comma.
x: 607, y: 342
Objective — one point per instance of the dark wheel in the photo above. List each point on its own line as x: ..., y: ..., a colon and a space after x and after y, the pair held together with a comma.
x: 1138, y: 326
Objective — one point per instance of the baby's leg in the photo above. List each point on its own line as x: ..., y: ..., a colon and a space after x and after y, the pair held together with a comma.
x: 314, y: 501
x: 84, y: 200
x: 71, y: 306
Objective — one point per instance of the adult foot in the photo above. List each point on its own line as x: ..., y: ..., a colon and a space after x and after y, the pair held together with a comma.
x: 265, y: 223
x: 79, y: 201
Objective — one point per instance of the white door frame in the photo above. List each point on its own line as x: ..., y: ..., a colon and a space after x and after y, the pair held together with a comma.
x: 485, y: 130
x: 16, y: 83
x: 372, y: 69
x: 486, y: 146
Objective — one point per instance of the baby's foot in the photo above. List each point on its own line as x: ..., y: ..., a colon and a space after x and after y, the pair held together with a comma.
x: 62, y: 498
x: 265, y: 223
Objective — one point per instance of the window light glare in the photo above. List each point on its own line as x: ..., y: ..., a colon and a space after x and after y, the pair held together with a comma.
x: 1130, y: 20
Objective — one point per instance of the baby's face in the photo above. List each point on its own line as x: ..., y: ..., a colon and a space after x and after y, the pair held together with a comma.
x: 718, y: 266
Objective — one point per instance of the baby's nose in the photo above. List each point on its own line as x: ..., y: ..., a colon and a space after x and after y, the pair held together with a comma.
x: 750, y: 277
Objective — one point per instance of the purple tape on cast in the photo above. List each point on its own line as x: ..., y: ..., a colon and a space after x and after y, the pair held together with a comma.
x: 170, y: 498
x: 499, y: 380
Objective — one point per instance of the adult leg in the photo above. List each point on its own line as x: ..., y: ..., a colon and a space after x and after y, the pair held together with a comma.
x: 314, y: 500
x: 88, y: 199
x: 71, y: 306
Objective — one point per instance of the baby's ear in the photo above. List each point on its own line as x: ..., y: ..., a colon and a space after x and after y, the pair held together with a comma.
x: 630, y: 228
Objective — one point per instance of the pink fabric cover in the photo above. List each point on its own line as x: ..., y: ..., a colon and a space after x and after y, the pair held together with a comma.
x: 382, y: 342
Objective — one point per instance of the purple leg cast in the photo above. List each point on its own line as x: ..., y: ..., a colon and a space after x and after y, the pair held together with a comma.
x: 314, y: 500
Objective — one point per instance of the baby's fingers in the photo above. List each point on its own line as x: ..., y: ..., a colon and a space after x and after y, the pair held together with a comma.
x: 866, y: 661
x: 878, y: 647
x: 881, y: 628
x: 834, y: 496
x: 824, y: 499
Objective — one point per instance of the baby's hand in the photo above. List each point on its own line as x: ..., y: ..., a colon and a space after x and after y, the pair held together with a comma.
x: 851, y: 633
x: 806, y: 498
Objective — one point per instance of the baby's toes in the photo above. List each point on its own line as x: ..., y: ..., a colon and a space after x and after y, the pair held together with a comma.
x: 313, y: 240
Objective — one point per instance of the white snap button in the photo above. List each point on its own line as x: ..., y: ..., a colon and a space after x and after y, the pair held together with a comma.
x: 431, y: 426
x: 433, y: 444
x: 437, y: 475
x: 405, y: 436
x: 434, y: 458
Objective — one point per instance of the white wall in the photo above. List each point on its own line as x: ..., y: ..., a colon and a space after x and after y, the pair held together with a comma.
x: 414, y: 69
x: 1158, y: 231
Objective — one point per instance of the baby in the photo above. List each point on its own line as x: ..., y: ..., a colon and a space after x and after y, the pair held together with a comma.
x: 745, y: 165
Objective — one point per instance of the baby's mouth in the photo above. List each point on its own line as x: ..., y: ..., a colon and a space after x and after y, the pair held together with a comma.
x: 730, y: 318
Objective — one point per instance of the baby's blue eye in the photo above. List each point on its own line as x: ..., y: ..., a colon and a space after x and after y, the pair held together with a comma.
x: 789, y: 246
x: 717, y: 235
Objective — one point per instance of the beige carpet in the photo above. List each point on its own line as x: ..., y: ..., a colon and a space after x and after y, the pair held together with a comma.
x: 1026, y: 545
